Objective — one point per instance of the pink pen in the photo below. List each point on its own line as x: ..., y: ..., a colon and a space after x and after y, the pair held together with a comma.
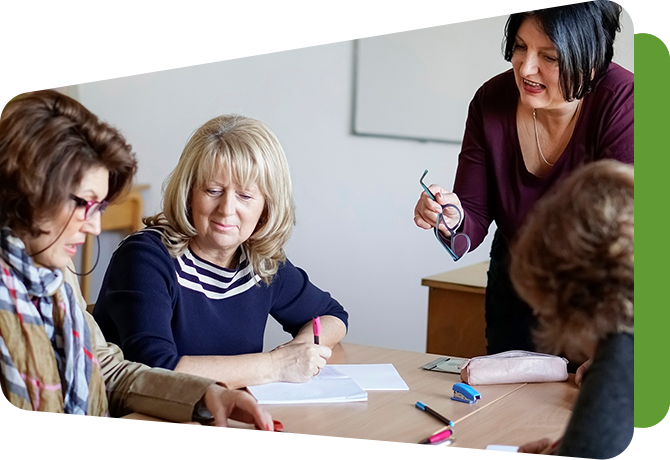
x: 316, y: 327
x: 442, y: 435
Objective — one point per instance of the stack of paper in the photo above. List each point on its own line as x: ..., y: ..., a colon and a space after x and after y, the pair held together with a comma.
x: 373, y: 376
x: 335, y: 383
x: 328, y: 387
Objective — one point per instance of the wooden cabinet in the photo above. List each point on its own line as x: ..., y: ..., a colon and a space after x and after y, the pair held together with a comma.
x: 124, y: 216
x: 456, y: 323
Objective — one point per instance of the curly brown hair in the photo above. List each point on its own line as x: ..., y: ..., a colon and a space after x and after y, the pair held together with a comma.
x: 573, y: 260
x: 47, y: 143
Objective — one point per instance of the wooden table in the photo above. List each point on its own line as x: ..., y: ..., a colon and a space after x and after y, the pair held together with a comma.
x: 507, y: 414
x: 456, y: 323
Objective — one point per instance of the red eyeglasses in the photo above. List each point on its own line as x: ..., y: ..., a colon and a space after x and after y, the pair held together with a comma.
x: 91, y: 206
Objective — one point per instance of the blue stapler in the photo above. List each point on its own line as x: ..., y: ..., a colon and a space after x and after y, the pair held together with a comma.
x: 465, y: 393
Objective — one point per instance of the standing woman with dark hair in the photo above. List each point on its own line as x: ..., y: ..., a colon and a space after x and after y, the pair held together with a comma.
x: 59, y: 168
x: 563, y: 104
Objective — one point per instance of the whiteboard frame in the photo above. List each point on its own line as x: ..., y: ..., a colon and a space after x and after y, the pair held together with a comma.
x: 377, y: 106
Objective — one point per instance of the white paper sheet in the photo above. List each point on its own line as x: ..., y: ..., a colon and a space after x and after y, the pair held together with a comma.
x: 372, y: 377
x: 497, y: 452
x: 239, y: 448
x: 330, y: 386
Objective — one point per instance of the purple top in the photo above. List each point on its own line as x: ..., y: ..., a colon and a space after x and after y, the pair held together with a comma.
x: 492, y: 181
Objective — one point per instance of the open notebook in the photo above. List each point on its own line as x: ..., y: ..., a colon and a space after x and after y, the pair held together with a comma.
x: 330, y: 386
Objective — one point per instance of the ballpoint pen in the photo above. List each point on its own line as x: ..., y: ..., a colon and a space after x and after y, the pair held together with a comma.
x: 316, y: 328
x: 440, y: 417
x: 424, y: 450
x: 437, y: 437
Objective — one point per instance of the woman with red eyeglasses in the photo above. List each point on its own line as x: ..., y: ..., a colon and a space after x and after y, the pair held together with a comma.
x: 59, y: 168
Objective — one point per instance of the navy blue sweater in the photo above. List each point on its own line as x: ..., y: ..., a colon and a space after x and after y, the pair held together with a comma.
x: 158, y: 308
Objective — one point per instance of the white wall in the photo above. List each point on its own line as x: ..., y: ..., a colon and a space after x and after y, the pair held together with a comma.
x: 355, y: 195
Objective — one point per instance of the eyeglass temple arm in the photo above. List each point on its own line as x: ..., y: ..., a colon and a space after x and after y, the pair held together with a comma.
x: 430, y: 194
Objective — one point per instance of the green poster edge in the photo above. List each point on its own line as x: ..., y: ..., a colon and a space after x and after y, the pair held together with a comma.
x: 652, y: 97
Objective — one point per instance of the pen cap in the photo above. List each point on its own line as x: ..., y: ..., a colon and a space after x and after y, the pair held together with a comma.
x: 316, y: 326
x: 424, y: 450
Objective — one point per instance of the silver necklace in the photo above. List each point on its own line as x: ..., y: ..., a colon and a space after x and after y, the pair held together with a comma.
x: 537, y: 137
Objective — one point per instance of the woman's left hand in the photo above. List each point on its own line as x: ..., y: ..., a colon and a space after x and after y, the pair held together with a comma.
x: 238, y: 405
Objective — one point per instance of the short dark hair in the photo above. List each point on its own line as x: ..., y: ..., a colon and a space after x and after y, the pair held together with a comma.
x: 583, y: 35
x: 47, y: 143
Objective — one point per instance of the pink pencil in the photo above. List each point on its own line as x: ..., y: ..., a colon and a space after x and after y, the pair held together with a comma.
x: 316, y: 327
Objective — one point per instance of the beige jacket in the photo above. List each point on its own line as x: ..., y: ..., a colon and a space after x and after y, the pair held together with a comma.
x: 134, y: 387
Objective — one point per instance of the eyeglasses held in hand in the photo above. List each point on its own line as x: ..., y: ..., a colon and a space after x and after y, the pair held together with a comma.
x: 459, y: 243
x: 91, y: 206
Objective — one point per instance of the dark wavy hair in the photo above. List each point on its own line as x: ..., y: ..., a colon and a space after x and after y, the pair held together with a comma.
x: 583, y: 35
x: 48, y: 141
x: 573, y: 261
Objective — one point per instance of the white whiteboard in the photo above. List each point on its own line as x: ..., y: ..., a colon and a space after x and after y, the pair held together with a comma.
x: 418, y: 84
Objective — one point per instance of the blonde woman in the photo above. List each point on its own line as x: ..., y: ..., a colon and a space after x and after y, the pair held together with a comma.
x: 192, y: 292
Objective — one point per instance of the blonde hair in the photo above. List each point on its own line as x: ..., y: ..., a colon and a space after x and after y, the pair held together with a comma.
x: 251, y: 152
x: 573, y: 261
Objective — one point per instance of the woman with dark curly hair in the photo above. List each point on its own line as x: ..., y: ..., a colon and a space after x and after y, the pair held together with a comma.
x: 574, y: 264
x: 59, y: 169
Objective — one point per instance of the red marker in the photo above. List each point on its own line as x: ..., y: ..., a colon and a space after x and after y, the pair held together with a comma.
x: 316, y: 328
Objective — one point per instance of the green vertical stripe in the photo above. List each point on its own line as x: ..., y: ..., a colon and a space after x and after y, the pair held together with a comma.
x: 652, y: 193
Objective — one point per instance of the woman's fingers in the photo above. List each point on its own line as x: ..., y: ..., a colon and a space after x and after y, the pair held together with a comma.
x: 238, y: 405
x: 427, y: 209
x: 247, y: 410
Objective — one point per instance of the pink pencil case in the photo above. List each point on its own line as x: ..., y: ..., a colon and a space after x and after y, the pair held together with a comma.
x: 514, y: 367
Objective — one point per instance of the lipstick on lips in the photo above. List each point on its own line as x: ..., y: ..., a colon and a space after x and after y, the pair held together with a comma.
x: 72, y: 248
x: 533, y: 87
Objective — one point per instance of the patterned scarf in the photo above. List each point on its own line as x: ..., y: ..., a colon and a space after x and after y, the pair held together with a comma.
x: 47, y: 354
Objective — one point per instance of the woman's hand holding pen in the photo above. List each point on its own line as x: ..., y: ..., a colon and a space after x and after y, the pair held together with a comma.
x: 427, y: 210
x: 299, y: 361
